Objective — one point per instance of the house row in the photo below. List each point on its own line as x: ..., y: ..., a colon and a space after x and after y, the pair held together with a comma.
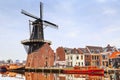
x: 108, y: 56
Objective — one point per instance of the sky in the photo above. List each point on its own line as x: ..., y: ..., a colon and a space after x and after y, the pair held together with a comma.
x: 81, y: 23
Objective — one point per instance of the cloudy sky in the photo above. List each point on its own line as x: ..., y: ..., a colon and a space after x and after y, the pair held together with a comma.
x: 81, y: 23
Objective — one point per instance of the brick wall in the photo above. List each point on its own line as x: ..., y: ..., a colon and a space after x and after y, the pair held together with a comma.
x: 43, y: 57
x: 60, y: 54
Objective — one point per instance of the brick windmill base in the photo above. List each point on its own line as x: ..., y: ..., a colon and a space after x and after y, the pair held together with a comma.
x: 43, y: 57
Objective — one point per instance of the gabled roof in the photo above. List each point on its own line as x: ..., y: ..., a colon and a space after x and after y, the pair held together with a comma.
x: 71, y: 50
x: 94, y: 49
x: 83, y: 50
x: 109, y: 48
x: 75, y: 51
x: 114, y: 55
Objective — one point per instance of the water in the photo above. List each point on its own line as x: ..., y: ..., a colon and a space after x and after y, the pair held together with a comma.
x: 51, y: 76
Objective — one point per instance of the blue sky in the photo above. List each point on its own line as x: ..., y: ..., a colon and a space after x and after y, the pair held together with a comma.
x: 81, y: 23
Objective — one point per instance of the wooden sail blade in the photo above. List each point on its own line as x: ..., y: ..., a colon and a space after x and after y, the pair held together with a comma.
x: 28, y: 14
x: 47, y: 23
x: 41, y: 10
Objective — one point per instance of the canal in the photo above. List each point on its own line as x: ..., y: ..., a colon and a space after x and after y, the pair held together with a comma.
x: 52, y: 76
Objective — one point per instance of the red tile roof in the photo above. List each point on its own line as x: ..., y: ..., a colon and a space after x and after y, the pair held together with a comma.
x: 114, y: 55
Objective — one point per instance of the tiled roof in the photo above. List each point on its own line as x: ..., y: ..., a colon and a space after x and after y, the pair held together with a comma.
x: 83, y: 50
x: 114, y: 55
x: 95, y: 49
x: 71, y: 50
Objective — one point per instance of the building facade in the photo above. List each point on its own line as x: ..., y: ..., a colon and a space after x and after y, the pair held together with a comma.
x: 68, y: 57
x: 74, y: 58
x: 115, y: 59
x: 88, y: 56
x: 105, y: 59
x: 95, y: 55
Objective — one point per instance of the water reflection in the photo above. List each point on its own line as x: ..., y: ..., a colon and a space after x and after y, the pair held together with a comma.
x: 51, y: 76
x: 10, y: 75
x: 39, y: 76
x: 79, y: 77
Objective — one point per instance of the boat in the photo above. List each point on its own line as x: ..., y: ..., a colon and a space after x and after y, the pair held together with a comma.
x: 84, y: 70
x: 15, y: 67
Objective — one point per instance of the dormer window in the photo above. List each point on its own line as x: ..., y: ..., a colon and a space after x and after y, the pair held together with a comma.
x: 92, y: 51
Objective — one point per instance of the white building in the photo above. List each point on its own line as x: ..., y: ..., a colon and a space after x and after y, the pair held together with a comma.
x: 74, y: 58
x: 69, y: 57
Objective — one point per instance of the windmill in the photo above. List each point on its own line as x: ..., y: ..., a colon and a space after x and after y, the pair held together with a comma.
x: 36, y: 39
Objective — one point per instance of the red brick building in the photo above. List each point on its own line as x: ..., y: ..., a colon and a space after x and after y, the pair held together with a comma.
x: 43, y: 57
x: 60, y: 57
x: 96, y: 58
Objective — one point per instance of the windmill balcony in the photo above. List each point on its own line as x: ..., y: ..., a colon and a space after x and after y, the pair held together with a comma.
x: 27, y: 41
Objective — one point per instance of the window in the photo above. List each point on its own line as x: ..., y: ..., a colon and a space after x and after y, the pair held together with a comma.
x: 92, y: 50
x: 93, y: 57
x: 71, y: 63
x: 103, y: 64
x: 68, y: 58
x: 65, y: 50
x: 103, y: 56
x: 81, y: 57
x: 82, y: 63
x: 97, y: 57
x: 79, y: 63
x: 71, y: 57
x: 97, y: 51
x: 77, y: 57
